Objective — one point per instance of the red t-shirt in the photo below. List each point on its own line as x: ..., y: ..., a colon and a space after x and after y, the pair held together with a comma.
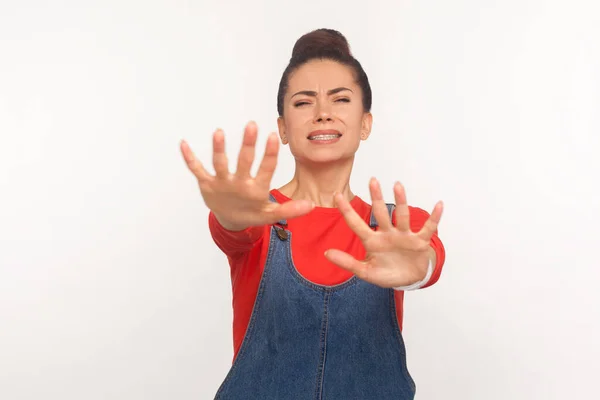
x: 321, y: 229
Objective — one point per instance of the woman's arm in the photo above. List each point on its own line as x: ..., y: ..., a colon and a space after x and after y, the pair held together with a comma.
x: 233, y: 242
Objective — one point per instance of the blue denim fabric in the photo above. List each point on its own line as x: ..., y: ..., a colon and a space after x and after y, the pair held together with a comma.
x: 315, y: 342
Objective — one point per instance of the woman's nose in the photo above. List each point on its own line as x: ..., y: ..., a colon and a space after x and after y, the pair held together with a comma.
x: 323, y: 113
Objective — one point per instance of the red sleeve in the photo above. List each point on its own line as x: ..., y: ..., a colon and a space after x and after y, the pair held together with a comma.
x: 418, y: 217
x: 233, y: 243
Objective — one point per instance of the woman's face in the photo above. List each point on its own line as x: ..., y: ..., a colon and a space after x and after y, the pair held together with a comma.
x: 323, y: 116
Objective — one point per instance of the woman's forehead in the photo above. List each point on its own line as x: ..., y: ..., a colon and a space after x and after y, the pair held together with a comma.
x: 321, y: 75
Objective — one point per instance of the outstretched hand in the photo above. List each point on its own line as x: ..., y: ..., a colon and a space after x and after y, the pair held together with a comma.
x: 239, y: 200
x: 395, y: 256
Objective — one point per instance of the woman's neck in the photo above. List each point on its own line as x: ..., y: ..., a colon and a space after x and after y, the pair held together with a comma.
x: 319, y: 183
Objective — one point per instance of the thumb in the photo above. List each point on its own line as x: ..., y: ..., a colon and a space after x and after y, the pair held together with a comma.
x: 292, y: 209
x: 347, y: 262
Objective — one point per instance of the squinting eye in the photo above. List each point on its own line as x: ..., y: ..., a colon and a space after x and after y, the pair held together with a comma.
x: 300, y: 104
x: 344, y: 100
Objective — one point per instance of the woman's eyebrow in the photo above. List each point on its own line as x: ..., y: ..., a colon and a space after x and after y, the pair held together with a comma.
x: 314, y: 94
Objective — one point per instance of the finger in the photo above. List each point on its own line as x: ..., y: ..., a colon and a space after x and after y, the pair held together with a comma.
x: 219, y: 156
x: 269, y: 161
x: 290, y: 209
x: 354, y: 221
x: 246, y: 156
x: 347, y: 262
x: 379, y: 208
x: 193, y: 163
x: 431, y: 225
x: 402, y: 211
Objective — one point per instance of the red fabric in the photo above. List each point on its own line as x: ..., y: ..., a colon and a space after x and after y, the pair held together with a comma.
x: 323, y: 228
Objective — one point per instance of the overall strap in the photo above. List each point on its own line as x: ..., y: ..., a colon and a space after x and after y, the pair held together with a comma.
x: 390, y: 206
x: 281, y: 222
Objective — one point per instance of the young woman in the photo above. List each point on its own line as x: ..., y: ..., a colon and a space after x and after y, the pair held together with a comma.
x: 318, y: 275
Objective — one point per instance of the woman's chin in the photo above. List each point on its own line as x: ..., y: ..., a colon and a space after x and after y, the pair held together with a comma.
x: 325, y: 158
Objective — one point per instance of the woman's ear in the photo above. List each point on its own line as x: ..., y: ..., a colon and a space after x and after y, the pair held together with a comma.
x: 367, y: 123
x: 281, y: 127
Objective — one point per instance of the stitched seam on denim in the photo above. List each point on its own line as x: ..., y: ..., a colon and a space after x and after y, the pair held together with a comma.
x: 401, y: 347
x: 319, y: 288
x: 255, y: 309
x: 323, y: 346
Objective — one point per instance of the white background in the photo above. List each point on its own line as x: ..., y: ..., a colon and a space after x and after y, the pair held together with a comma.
x: 110, y: 284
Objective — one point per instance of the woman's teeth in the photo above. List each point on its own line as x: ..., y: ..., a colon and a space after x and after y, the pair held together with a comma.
x: 324, y: 137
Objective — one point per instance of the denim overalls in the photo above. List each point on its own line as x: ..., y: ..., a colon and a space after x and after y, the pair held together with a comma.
x: 315, y: 342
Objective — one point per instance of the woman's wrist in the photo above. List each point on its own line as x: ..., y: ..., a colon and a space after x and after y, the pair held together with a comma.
x: 421, y: 283
x: 228, y: 225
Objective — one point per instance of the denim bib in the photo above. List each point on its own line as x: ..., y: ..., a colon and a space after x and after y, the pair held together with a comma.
x: 316, y: 342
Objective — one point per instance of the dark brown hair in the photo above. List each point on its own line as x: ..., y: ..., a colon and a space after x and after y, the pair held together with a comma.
x: 324, y: 44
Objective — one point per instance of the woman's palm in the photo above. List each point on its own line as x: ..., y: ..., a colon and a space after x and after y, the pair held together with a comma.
x: 239, y: 200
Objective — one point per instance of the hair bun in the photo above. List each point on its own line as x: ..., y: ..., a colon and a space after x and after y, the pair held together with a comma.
x: 321, y: 41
